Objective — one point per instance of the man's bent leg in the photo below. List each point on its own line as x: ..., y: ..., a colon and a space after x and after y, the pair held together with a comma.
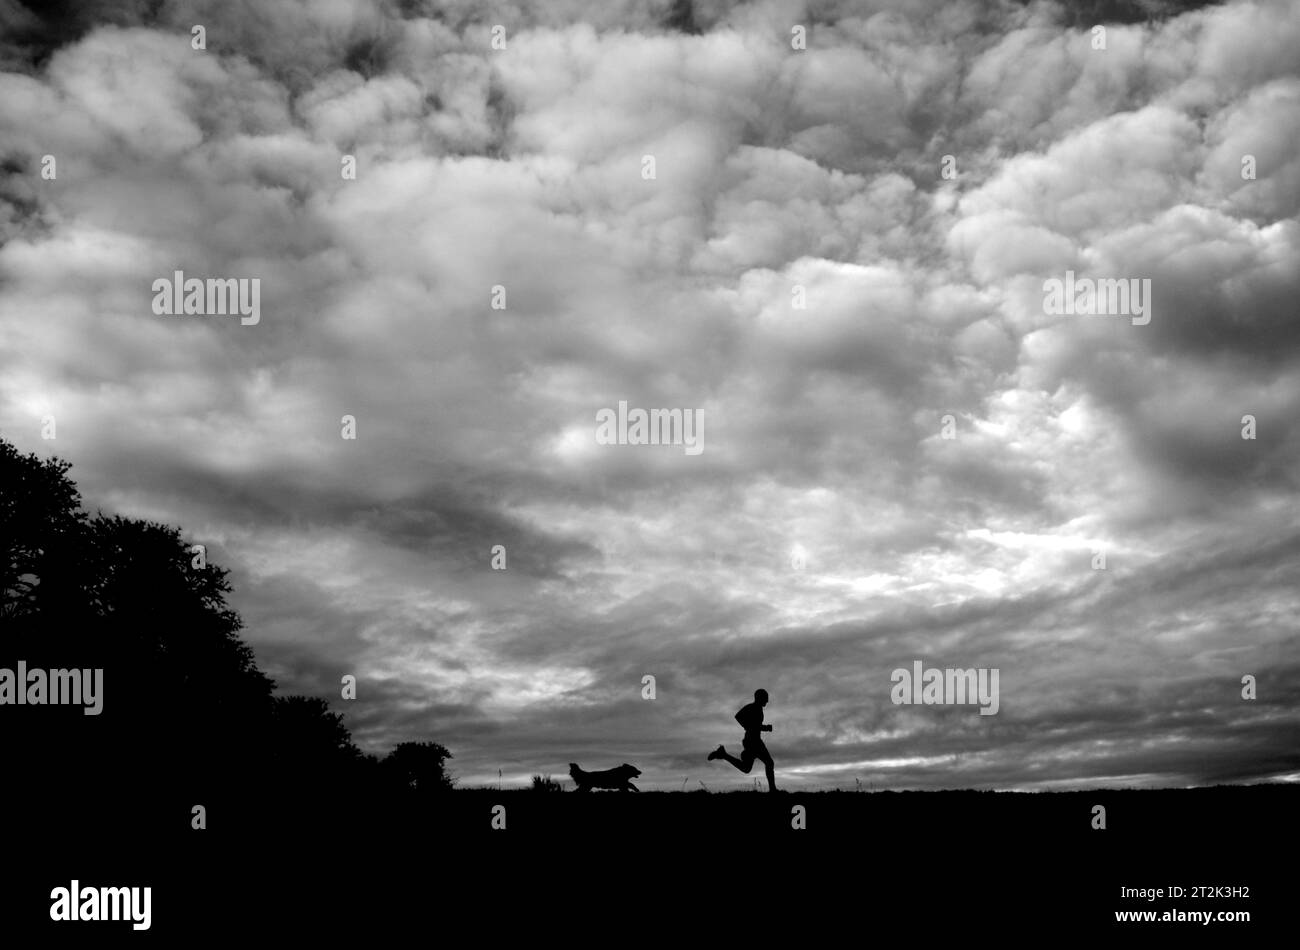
x: 744, y: 763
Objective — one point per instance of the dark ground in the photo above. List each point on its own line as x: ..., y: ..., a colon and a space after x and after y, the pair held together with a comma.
x: 665, y: 867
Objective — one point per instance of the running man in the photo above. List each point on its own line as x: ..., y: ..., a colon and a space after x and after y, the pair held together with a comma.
x: 750, y: 718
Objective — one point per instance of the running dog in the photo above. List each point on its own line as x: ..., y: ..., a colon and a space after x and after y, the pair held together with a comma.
x: 619, y: 778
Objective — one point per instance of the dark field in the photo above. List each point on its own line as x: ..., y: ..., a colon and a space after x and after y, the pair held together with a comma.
x: 936, y: 863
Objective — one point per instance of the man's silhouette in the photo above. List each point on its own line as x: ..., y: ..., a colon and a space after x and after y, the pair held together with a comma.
x: 750, y: 718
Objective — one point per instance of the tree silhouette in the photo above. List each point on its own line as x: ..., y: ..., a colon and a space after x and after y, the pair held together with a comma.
x: 39, y: 511
x: 418, y: 766
x: 313, y: 746
x: 187, y: 714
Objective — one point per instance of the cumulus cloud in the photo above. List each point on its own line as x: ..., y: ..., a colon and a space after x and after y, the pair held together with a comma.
x: 839, y: 260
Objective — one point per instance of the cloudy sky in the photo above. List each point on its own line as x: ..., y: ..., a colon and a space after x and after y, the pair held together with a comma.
x: 828, y: 533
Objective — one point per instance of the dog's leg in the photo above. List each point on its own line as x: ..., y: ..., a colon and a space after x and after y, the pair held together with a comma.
x: 633, y: 787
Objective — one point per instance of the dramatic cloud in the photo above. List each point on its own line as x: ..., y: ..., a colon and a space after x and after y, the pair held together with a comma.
x: 838, y: 263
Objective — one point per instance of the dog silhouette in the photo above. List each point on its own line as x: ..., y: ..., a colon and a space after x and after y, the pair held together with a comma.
x: 619, y: 778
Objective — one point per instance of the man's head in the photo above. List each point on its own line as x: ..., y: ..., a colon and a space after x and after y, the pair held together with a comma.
x: 760, y: 697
